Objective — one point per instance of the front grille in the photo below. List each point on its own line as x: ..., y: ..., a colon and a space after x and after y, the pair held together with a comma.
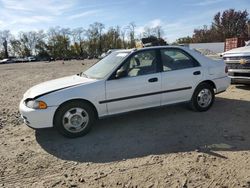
x: 236, y: 58
x: 242, y: 74
x: 238, y: 66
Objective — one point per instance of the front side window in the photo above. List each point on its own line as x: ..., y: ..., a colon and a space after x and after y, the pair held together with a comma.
x: 174, y: 59
x: 142, y: 63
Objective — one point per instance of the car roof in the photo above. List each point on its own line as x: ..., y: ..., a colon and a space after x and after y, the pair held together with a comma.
x: 124, y: 51
x: 160, y: 47
x: 150, y: 48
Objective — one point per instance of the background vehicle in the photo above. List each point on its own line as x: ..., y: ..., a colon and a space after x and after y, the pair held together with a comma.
x: 31, y: 58
x: 125, y: 80
x: 238, y: 62
x: 4, y: 61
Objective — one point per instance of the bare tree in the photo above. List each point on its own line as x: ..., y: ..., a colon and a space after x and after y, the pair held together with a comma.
x: 158, y: 31
x: 5, y: 37
x: 148, y: 31
x: 33, y: 38
x: 95, y: 37
x: 131, y: 28
x: 153, y: 31
x: 123, y: 34
x: 100, y: 28
x: 78, y: 35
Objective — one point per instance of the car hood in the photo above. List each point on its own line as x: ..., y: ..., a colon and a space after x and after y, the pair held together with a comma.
x: 55, y: 85
x: 242, y: 51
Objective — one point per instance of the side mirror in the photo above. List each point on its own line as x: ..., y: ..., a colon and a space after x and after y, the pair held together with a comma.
x: 121, y: 73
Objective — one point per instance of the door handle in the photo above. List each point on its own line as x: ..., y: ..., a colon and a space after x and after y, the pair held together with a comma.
x: 197, y: 73
x: 153, y: 80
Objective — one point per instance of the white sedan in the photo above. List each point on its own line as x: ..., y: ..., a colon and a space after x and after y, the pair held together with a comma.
x: 124, y: 81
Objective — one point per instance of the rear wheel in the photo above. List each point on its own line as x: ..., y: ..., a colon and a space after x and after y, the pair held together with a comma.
x: 202, y: 98
x: 74, y: 119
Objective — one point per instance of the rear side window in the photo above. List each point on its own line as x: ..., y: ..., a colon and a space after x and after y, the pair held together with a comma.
x: 174, y: 59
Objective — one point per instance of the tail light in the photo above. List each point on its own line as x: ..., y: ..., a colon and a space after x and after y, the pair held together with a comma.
x: 226, y: 69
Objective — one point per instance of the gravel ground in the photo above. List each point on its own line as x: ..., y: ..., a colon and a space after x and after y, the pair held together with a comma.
x: 162, y: 147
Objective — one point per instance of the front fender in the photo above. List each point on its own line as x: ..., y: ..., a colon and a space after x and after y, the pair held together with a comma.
x: 93, y: 93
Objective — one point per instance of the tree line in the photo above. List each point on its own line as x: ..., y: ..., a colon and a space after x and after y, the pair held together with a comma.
x: 228, y: 24
x: 63, y: 43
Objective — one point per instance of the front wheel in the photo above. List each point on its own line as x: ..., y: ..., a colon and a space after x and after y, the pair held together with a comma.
x: 202, y: 98
x: 74, y: 119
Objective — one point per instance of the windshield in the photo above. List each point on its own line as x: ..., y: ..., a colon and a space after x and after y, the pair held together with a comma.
x: 101, y: 69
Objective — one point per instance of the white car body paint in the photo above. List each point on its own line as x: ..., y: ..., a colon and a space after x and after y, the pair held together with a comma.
x: 122, y: 95
x: 124, y: 88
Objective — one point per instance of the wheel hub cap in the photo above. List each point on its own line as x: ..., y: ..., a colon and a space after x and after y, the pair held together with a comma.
x: 204, y: 98
x: 75, y: 120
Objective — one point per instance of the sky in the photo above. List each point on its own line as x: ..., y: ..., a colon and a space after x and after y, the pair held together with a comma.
x: 178, y: 18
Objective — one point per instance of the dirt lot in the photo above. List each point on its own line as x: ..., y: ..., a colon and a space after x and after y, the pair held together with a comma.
x: 164, y: 147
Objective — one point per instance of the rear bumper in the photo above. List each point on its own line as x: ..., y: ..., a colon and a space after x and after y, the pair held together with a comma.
x: 221, y: 84
x: 37, y: 119
x: 239, y: 75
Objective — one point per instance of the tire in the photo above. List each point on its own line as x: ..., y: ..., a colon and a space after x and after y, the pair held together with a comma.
x: 200, y: 104
x: 74, y: 119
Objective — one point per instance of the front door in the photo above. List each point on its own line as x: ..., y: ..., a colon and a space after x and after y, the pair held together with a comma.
x: 139, y: 89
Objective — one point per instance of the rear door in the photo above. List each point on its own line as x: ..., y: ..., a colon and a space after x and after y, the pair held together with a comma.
x: 140, y: 88
x: 181, y: 73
